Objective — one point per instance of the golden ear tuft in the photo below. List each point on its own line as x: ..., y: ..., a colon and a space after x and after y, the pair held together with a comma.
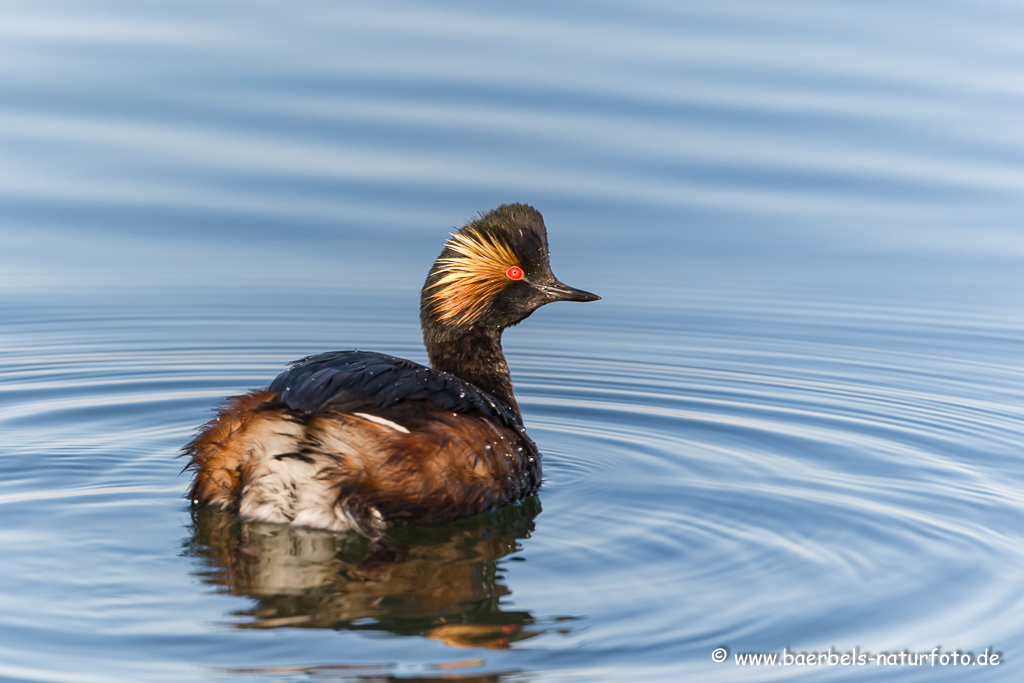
x: 470, y: 279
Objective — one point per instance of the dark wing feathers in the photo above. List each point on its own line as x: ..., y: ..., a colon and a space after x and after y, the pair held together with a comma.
x: 349, y: 381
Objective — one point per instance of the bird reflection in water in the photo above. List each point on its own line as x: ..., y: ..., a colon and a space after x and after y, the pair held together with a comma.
x: 447, y: 584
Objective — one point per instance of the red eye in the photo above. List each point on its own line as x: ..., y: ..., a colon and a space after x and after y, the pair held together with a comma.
x: 514, y: 273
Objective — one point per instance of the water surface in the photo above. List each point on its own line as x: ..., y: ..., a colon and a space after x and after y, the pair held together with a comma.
x: 793, y: 421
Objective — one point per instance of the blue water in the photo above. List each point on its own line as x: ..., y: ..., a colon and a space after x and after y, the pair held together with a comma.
x: 794, y: 420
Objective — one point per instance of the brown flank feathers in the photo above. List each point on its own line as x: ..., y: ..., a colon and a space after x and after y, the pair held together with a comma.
x: 220, y: 454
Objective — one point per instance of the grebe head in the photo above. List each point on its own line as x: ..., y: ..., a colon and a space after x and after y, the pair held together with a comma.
x: 493, y: 273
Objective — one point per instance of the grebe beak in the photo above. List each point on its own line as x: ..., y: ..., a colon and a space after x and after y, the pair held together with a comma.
x: 556, y: 291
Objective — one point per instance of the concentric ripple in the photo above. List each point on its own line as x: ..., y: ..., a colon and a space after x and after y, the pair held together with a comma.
x: 819, y: 486
x: 824, y: 480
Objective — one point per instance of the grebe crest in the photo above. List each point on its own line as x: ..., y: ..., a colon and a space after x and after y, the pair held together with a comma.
x: 501, y: 253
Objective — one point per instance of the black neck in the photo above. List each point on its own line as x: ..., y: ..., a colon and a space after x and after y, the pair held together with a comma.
x: 474, y: 355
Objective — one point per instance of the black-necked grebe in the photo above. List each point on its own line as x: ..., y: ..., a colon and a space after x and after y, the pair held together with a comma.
x: 363, y: 441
